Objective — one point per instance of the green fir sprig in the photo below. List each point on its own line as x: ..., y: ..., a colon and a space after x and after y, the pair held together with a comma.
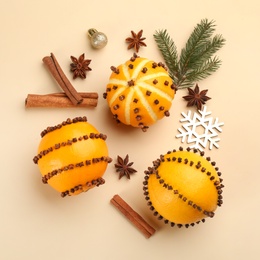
x: 196, y: 60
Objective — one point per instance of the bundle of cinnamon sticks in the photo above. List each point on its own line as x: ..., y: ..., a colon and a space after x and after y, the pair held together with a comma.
x: 69, y: 98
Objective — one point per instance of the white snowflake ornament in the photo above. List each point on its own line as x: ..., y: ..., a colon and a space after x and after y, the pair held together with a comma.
x: 200, y: 129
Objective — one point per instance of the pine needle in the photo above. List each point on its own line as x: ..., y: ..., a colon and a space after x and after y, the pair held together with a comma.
x: 197, y: 60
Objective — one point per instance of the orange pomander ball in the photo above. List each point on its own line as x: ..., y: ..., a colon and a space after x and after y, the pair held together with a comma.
x: 72, y: 156
x: 183, y: 187
x: 139, y: 92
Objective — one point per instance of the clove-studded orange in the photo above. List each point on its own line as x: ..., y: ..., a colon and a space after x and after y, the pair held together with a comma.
x: 72, y: 156
x: 139, y: 92
x: 183, y: 187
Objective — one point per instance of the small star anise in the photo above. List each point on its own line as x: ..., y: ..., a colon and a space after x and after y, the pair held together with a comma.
x: 196, y: 97
x: 79, y: 66
x: 124, y: 167
x: 136, y: 41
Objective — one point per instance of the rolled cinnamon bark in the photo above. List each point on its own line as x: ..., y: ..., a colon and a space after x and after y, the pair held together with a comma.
x: 133, y: 216
x: 60, y: 100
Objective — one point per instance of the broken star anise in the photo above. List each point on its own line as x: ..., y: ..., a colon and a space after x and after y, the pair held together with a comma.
x: 79, y: 66
x: 136, y: 41
x: 123, y: 166
x: 196, y: 97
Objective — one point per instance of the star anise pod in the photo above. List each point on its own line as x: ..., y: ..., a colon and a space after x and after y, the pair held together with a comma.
x: 136, y: 41
x: 123, y: 166
x: 79, y: 66
x: 196, y: 97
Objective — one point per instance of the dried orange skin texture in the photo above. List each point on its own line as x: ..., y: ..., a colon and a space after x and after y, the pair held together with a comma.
x: 140, y: 92
x: 183, y: 188
x: 73, y: 158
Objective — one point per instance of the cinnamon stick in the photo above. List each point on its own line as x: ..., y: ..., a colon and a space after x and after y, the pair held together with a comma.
x: 56, y: 71
x: 60, y: 100
x: 133, y: 216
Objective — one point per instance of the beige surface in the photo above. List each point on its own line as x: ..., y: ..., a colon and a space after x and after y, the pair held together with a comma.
x: 36, y: 223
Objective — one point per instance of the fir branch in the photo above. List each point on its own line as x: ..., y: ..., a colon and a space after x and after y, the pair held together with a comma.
x: 207, y: 69
x: 168, y: 50
x: 197, y: 60
x: 208, y: 50
x: 197, y: 40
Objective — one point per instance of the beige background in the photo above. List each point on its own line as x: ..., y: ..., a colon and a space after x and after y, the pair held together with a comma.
x: 36, y: 223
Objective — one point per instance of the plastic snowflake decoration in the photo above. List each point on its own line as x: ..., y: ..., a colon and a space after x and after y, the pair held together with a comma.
x: 200, y: 129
